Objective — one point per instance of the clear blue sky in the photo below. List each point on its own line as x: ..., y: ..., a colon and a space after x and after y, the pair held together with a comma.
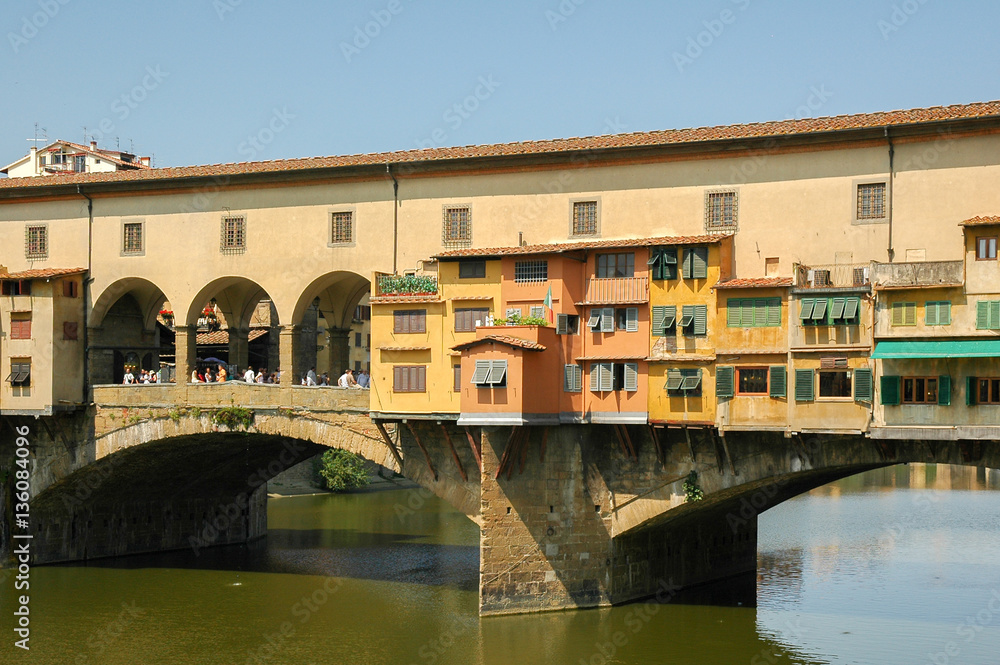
x: 206, y: 81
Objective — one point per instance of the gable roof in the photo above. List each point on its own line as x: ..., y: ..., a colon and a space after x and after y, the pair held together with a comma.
x: 508, y: 340
x: 981, y: 220
x: 113, y: 156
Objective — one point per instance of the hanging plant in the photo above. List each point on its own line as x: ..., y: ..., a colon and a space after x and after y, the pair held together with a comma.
x: 692, y: 491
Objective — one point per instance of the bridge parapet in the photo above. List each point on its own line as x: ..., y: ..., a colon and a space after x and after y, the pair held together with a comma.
x: 215, y: 395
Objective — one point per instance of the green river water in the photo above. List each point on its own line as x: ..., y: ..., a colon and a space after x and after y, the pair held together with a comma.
x: 898, y: 566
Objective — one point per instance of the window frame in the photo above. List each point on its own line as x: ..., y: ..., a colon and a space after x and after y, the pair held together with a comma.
x: 860, y: 216
x: 988, y: 381
x: 979, y: 243
x: 20, y: 386
x: 20, y: 325
x: 470, y: 325
x: 584, y: 233
x: 411, y: 315
x: 904, y: 308
x: 629, y: 267
x: 233, y: 240
x: 332, y: 239
x: 573, y: 378
x: 680, y: 377
x: 756, y: 318
x: 420, y: 371
x: 456, y: 233
x: 531, y: 271
x: 726, y: 221
x: 913, y: 380
x: 125, y: 249
x: 36, y: 248
x: 475, y: 264
x: 738, y: 389
x: 850, y: 384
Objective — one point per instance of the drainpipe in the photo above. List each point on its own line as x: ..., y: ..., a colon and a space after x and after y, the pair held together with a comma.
x: 395, y: 216
x: 86, y: 289
x: 892, y: 151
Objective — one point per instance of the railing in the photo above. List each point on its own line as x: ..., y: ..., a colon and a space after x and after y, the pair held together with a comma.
x: 924, y: 273
x: 840, y: 275
x: 217, y: 395
x: 404, y: 285
x: 616, y: 290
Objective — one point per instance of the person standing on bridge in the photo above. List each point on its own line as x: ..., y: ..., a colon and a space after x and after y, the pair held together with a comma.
x: 222, y: 374
x: 364, y: 380
x: 311, y: 377
x: 249, y: 376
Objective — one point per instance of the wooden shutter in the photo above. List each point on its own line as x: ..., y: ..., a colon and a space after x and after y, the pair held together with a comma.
x: 944, y: 390
x: 805, y: 385
x: 457, y: 375
x: 994, y: 308
x: 759, y: 313
x: 562, y: 324
x: 607, y: 377
x: 674, y: 379
x: 573, y: 378
x: 655, y: 263
x: 724, y: 381
x: 659, y: 314
x: 418, y: 378
x: 686, y: 263
x: 806, y: 308
x: 819, y: 310
x: 668, y: 263
x: 774, y: 312
x: 498, y: 372
x: 631, y: 376
x: 595, y: 377
x: 890, y: 390
x: 595, y: 320
x: 632, y: 319
x: 971, y: 390
x: 400, y: 322
x: 608, y: 319
x: 400, y: 379
x: 779, y: 380
x: 944, y: 313
x: 897, y: 313
x: 863, y: 385
x: 837, y: 311
x: 910, y: 314
x: 481, y: 373
x: 701, y: 319
x: 733, y: 312
x: 851, y: 308
x: 930, y: 313
x: 699, y: 262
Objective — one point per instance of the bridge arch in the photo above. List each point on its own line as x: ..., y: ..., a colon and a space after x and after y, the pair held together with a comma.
x: 338, y: 292
x: 122, y: 330
x: 147, y: 295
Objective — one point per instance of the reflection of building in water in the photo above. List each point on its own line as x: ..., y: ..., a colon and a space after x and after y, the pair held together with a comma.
x: 779, y: 573
x: 917, y: 475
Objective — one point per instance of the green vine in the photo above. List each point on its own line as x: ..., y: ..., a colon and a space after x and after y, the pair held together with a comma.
x: 406, y: 285
x: 234, y: 417
x: 692, y: 491
x: 195, y: 412
x: 518, y: 320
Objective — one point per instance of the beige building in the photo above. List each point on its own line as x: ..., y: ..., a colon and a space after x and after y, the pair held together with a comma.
x: 66, y: 157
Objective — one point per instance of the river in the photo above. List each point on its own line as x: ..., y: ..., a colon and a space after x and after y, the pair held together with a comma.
x: 897, y: 566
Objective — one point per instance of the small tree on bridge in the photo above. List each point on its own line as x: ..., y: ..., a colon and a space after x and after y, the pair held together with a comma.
x: 342, y: 470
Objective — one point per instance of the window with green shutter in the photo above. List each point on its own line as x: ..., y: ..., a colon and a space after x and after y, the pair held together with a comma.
x: 664, y: 317
x: 889, y: 387
x: 700, y: 325
x: 937, y: 313
x: 944, y: 390
x: 773, y: 312
x: 805, y: 385
x: 663, y: 263
x: 988, y: 315
x: 806, y: 309
x: 683, y: 382
x: 734, y: 311
x: 863, y: 385
x: 695, y: 263
x: 904, y: 314
x: 779, y: 380
x: 725, y: 382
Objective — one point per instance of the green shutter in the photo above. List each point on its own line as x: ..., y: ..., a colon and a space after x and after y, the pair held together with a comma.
x: 674, y: 379
x: 971, y: 390
x: 774, y: 312
x: 806, y: 308
x: 759, y: 313
x: 686, y: 263
x: 669, y: 263
x: 724, y: 382
x: 779, y: 380
x: 659, y: 313
x: 656, y: 263
x: 733, y: 312
x: 994, y: 306
x: 819, y: 311
x: 851, y: 308
x: 701, y: 319
x: 910, y: 314
x: 982, y: 315
x: 944, y: 313
x: 930, y: 313
x: 837, y: 312
x: 890, y: 390
x: 805, y: 380
x: 699, y: 262
x: 863, y: 385
x: 944, y: 390
x: 746, y: 313
x: 897, y: 313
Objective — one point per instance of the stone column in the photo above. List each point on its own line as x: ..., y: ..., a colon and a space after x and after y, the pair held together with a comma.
x: 239, y: 347
x: 185, y: 352
x: 340, y: 352
x: 288, y: 343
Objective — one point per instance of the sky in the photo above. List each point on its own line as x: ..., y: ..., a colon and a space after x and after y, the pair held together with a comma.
x: 211, y: 81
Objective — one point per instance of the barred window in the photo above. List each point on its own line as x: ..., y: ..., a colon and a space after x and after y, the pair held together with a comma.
x: 721, y: 211
x: 585, y: 218
x: 36, y: 242
x: 341, y: 230
x: 457, y: 228
x: 132, y: 238
x: 871, y: 201
x: 531, y: 271
x: 234, y: 235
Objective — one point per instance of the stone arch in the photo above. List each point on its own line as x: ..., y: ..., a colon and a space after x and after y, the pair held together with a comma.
x: 339, y: 292
x: 235, y: 295
x: 147, y: 295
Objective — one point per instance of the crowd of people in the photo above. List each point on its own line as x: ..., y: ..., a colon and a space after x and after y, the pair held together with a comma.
x: 219, y: 374
x: 346, y: 380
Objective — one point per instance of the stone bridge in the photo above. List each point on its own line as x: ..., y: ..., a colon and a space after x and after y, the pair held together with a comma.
x: 570, y: 516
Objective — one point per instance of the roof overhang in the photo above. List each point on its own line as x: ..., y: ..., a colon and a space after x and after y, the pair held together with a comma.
x: 930, y: 349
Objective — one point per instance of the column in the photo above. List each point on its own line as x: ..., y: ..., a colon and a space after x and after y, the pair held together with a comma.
x: 340, y: 352
x: 239, y: 348
x: 288, y: 343
x: 185, y: 351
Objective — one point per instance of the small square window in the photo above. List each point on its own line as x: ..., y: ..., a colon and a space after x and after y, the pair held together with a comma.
x: 20, y: 326
x: 457, y: 226
x: 234, y: 235
x: 835, y: 383
x: 471, y: 269
x: 721, y: 212
x: 531, y: 271
x: 36, y: 241
x: 132, y: 238
x: 341, y: 228
x: 986, y: 249
x: 585, y: 222
x: 871, y: 201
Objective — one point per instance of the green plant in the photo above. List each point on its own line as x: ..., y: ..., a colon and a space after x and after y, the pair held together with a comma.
x: 195, y: 412
x: 289, y: 413
x: 406, y: 285
x: 234, y: 417
x: 692, y: 491
x: 133, y: 419
x: 174, y: 415
x: 342, y: 470
x: 518, y: 320
x: 112, y: 417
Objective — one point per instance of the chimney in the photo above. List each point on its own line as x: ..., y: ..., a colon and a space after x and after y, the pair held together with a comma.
x: 144, y: 161
x: 34, y: 159
x: 93, y: 145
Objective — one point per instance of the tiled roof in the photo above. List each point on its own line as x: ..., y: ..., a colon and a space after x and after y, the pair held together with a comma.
x: 515, y: 342
x: 755, y: 283
x: 556, y: 248
x: 981, y: 220
x: 619, y: 356
x: 804, y: 126
x: 471, y: 298
x: 382, y: 300
x: 108, y: 155
x: 222, y: 336
x: 404, y: 348
x: 43, y: 273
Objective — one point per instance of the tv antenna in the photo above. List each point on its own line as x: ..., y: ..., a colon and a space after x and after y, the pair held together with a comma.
x: 45, y: 135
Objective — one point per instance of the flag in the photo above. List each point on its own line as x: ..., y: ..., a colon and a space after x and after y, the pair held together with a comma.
x: 548, y: 305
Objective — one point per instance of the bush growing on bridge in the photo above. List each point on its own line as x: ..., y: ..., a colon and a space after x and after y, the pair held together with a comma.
x: 342, y: 470
x: 234, y: 417
x: 692, y: 491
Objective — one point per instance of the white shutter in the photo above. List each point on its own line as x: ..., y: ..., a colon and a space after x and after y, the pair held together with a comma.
x: 562, y: 324
x: 631, y: 376
x: 607, y: 377
x: 608, y: 319
x: 595, y: 377
x: 482, y: 371
x: 632, y: 319
x: 498, y: 371
x: 595, y: 320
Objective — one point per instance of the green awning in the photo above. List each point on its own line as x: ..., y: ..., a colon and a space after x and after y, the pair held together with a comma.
x: 946, y: 348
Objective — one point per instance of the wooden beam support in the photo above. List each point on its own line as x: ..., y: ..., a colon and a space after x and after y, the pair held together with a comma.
x: 454, y: 454
x: 524, y: 449
x: 725, y: 449
x: 506, y: 452
x: 545, y: 441
x: 416, y: 438
x: 476, y: 452
x: 388, y: 441
x: 628, y: 442
x: 687, y: 437
x: 659, y: 446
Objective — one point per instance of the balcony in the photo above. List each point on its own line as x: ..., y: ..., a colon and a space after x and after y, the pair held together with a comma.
x: 918, y: 274
x: 850, y: 276
x: 405, y: 286
x: 616, y: 291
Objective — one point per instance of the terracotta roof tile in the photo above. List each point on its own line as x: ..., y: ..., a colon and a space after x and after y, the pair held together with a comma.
x: 222, y: 336
x: 981, y: 220
x: 755, y: 283
x: 515, y: 342
x: 404, y: 348
x: 43, y: 273
x: 803, y: 126
x: 556, y: 248
x: 619, y: 356
x: 382, y: 300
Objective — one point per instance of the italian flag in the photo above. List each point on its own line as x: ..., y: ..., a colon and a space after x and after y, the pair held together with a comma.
x: 548, y: 305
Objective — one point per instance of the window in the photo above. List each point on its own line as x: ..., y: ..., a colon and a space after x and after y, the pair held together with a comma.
x: 663, y: 263
x: 988, y: 315
x: 695, y: 264
x: 467, y: 319
x: 71, y: 289
x: 751, y: 381
x: 132, y: 238
x: 20, y: 326
x: 602, y: 319
x: 986, y: 249
x: 912, y: 389
x: 627, y: 319
x: 721, y: 211
x: 341, y: 227
x: 684, y: 382
x: 58, y: 158
x: 234, y: 235
x: 456, y: 371
x: 982, y: 391
x: 457, y: 226
x: 36, y: 241
x: 615, y: 265
x: 829, y: 311
x: 836, y: 383
x: 805, y: 385
x: 409, y: 321
x: 409, y: 378
x: 20, y: 377
x: 512, y: 312
x: 357, y: 340
x: 490, y: 373
x: 362, y: 313
x: 937, y: 313
x: 536, y: 311
x: 694, y: 320
x: 904, y: 313
x: 608, y: 377
x: 753, y: 313
x: 573, y: 378
x: 531, y: 271
x: 920, y: 390
x: 585, y: 218
x: 871, y: 201
x: 567, y: 324
x: 471, y: 269
x: 664, y: 319
x: 15, y: 288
